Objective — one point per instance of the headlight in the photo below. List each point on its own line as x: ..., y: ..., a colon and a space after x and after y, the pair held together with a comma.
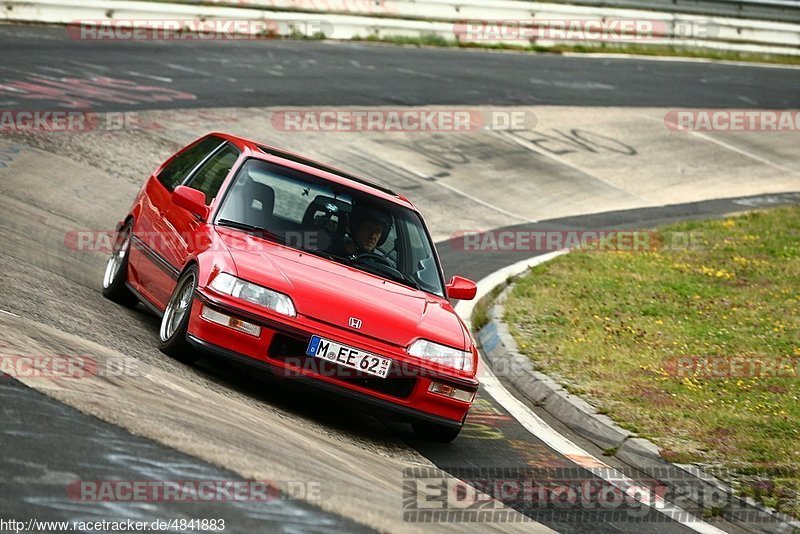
x: 457, y: 359
x: 236, y: 287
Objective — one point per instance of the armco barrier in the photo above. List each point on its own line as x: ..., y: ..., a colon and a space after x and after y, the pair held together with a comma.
x: 774, y: 10
x: 781, y: 10
x: 346, y: 19
x: 678, y: 26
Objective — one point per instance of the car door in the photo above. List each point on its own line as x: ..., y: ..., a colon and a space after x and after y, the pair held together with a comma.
x: 184, y: 234
x: 151, y: 273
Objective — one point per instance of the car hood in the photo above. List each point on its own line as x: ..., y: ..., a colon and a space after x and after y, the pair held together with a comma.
x: 333, y: 293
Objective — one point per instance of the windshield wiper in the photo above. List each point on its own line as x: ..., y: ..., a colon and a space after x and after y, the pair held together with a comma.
x: 259, y: 231
x: 386, y: 271
x: 407, y: 280
x: 326, y: 255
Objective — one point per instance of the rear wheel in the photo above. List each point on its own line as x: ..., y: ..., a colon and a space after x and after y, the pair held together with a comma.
x: 435, y: 432
x: 116, y: 273
x: 175, y: 322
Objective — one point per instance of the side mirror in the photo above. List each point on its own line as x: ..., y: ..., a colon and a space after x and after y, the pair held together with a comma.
x: 461, y: 288
x: 191, y: 200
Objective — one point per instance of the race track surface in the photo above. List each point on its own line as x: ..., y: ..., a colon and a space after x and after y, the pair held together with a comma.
x: 599, y: 157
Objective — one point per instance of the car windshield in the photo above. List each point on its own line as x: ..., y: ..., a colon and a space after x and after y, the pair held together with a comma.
x: 333, y: 221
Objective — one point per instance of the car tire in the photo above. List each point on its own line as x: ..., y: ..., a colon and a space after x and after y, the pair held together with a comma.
x: 116, y: 273
x: 175, y: 322
x: 435, y: 432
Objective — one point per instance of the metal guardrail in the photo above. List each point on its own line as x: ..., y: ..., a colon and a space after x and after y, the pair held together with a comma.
x: 777, y: 10
x: 774, y: 10
x: 346, y: 19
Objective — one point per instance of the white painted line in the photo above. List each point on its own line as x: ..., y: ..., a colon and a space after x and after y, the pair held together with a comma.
x: 533, y: 148
x: 9, y: 313
x: 417, y: 73
x: 16, y: 70
x: 90, y: 65
x: 53, y: 69
x: 358, y: 65
x: 475, y: 199
x: 187, y: 69
x: 539, y: 428
x: 581, y: 86
x: 730, y: 147
x: 150, y: 76
x: 745, y: 153
x: 190, y: 70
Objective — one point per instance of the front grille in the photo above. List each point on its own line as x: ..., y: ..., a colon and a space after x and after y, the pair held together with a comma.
x: 283, y: 345
x: 292, y: 350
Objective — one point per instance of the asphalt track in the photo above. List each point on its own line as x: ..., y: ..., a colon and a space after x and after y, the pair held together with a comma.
x: 258, y: 73
x: 34, y: 474
x: 246, y: 74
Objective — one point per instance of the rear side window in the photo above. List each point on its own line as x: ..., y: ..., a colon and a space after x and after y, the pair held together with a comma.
x: 176, y: 171
x: 210, y: 176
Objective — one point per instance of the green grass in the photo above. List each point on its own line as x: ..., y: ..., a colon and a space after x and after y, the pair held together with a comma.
x: 601, y: 48
x: 619, y: 324
x: 480, y: 314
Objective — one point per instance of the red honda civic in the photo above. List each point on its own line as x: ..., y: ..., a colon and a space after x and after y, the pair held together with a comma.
x: 260, y: 255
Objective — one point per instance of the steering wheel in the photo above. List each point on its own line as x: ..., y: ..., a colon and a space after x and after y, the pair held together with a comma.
x: 376, y: 257
x: 380, y: 264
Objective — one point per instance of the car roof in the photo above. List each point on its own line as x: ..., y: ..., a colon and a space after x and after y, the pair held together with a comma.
x: 315, y: 168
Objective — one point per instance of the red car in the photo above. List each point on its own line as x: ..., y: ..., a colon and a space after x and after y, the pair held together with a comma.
x: 260, y: 255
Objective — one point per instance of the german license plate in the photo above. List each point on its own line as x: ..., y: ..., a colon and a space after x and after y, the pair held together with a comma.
x: 350, y: 357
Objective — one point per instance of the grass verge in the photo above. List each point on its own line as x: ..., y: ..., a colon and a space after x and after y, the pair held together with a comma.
x: 696, y: 349
x: 435, y: 40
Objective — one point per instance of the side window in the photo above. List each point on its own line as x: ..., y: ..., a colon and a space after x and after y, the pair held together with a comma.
x: 176, y: 171
x: 210, y: 176
x: 420, y: 258
x: 389, y: 247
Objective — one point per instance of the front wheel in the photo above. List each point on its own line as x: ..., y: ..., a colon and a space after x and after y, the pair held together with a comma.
x: 175, y: 322
x: 116, y: 273
x: 435, y: 432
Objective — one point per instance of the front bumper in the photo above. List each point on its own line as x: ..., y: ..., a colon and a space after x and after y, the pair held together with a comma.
x: 280, y: 349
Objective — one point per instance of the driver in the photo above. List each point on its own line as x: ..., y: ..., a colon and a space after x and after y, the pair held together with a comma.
x: 368, y: 229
